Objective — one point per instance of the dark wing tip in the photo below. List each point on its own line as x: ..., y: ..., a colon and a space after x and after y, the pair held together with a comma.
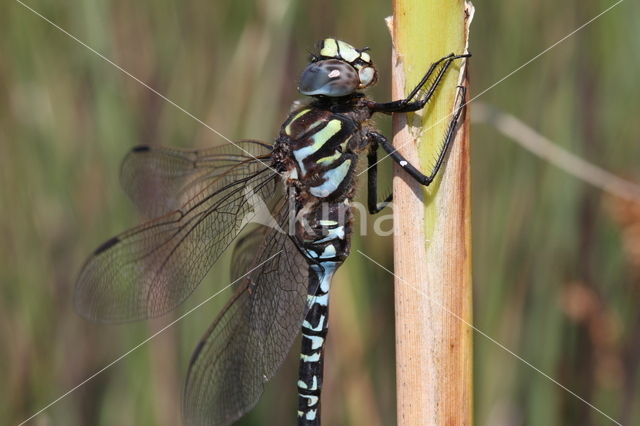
x: 141, y: 148
x: 106, y: 245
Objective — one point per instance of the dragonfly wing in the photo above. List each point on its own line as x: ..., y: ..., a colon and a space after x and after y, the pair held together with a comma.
x: 244, y: 251
x: 251, y: 337
x: 149, y: 270
x: 160, y: 180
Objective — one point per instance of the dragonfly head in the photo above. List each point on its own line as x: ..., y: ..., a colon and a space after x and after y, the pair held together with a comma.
x: 338, y: 69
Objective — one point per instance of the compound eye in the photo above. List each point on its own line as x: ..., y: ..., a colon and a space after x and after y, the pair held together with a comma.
x: 329, y: 77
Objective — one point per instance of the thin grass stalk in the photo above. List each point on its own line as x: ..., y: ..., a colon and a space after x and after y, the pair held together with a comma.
x: 432, y: 256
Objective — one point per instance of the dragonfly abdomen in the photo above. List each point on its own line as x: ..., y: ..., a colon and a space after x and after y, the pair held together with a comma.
x: 325, y: 233
x: 314, y: 332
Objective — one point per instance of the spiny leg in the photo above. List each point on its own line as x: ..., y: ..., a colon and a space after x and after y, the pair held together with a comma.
x: 372, y: 180
x: 449, y: 136
x: 408, y: 104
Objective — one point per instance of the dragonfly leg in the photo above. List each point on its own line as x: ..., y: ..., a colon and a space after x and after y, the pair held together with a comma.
x: 372, y: 180
x: 425, y: 179
x: 410, y: 103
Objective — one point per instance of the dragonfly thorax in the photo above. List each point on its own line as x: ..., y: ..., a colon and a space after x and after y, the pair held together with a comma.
x: 322, y: 151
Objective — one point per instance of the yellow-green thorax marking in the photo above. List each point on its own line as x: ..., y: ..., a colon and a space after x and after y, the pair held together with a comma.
x: 318, y: 141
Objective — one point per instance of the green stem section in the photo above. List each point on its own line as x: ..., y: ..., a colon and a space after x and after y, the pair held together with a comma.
x: 424, y: 32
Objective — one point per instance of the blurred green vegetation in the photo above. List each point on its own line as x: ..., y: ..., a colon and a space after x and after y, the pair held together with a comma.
x: 554, y: 273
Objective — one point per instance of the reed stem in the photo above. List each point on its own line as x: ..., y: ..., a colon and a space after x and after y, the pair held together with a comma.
x: 432, y: 257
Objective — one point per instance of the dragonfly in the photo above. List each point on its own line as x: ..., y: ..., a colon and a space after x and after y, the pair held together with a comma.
x: 203, y: 199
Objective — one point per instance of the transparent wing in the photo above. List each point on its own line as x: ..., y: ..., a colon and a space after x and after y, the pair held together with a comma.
x: 251, y: 337
x: 245, y: 249
x: 160, y: 180
x: 149, y: 270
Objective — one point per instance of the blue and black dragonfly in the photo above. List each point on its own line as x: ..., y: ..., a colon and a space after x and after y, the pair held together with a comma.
x: 202, y: 200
